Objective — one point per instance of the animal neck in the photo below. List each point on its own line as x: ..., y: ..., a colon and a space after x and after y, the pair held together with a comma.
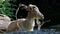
x: 30, y: 15
x: 31, y: 22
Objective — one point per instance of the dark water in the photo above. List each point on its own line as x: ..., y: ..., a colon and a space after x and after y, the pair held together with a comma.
x: 42, y: 31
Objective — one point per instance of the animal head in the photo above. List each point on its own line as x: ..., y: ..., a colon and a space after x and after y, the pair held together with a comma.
x: 4, y: 17
x: 34, y: 10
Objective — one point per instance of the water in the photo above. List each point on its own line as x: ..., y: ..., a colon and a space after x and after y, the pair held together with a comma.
x: 42, y: 31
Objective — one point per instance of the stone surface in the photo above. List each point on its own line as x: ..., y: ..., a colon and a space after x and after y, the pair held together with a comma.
x: 43, y: 31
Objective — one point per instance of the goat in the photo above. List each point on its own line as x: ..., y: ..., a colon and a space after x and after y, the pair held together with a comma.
x: 28, y: 23
x: 4, y: 21
x: 4, y: 17
x: 38, y: 15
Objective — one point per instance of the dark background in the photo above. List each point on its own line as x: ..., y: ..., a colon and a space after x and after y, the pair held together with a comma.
x: 50, y: 9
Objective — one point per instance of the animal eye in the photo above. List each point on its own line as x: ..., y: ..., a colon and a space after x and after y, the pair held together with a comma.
x: 33, y: 7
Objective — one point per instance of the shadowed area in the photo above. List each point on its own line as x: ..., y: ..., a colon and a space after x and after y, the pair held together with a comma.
x: 50, y: 9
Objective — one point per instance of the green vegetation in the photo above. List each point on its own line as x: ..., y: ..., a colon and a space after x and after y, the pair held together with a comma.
x: 6, y: 8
